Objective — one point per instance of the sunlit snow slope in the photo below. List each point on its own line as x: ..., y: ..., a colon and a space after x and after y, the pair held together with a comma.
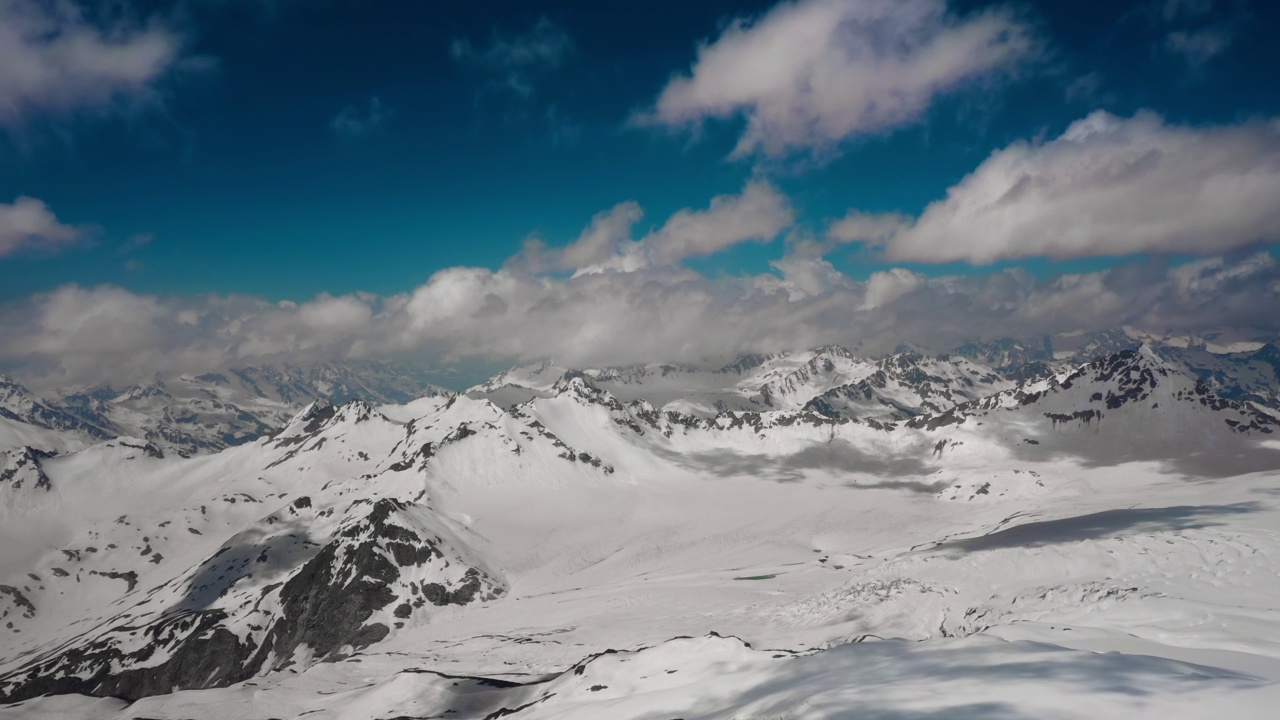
x: 808, y: 535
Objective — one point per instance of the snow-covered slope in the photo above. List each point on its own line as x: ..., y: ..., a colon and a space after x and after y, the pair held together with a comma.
x: 1097, y: 540
x: 27, y: 420
x: 245, y: 574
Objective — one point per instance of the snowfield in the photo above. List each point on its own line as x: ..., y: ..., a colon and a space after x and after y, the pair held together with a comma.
x: 800, y: 536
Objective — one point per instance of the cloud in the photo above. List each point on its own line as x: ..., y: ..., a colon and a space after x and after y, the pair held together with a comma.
x: 1200, y: 30
x: 56, y: 58
x: 1198, y: 47
x: 355, y: 122
x: 757, y: 214
x: 136, y: 242
x: 28, y: 224
x: 606, y: 236
x: 76, y: 335
x: 1108, y: 186
x: 1085, y: 89
x: 812, y: 73
x: 869, y: 228
x: 888, y: 285
x: 805, y: 276
x: 515, y: 60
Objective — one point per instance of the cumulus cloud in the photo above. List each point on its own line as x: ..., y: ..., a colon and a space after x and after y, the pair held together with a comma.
x: 1108, y: 186
x: 873, y: 229
x: 78, y: 335
x: 811, y: 73
x: 356, y: 122
x: 56, y: 58
x: 28, y: 224
x: 886, y: 286
x: 515, y: 60
x: 757, y: 214
x: 804, y: 276
x: 606, y: 236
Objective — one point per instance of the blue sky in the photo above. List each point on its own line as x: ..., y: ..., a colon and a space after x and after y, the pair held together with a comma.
x: 244, y: 185
x: 288, y: 149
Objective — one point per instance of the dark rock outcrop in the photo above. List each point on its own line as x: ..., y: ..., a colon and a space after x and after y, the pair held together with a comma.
x: 370, y: 567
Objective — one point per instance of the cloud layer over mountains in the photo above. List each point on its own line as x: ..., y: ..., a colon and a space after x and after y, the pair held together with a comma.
x: 80, y: 335
x: 1189, y: 208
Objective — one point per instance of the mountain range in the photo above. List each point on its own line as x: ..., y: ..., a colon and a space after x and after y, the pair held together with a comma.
x: 797, y: 534
x: 192, y: 414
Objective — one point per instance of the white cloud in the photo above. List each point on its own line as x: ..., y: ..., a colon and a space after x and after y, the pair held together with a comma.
x: 515, y: 60
x: 81, y: 335
x: 28, y: 224
x: 811, y: 73
x: 356, y: 122
x: 757, y: 214
x: 606, y: 236
x: 1211, y: 275
x: 888, y: 285
x: 1108, y: 186
x: 805, y: 276
x: 873, y: 229
x: 54, y: 58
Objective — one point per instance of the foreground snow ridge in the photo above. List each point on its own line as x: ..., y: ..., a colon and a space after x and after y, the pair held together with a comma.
x: 985, y: 534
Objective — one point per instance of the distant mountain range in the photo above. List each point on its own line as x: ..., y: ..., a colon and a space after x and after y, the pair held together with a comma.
x: 210, y: 531
x: 188, y: 415
x: 193, y: 414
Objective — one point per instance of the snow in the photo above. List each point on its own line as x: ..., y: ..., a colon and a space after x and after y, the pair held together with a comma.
x: 1123, y: 565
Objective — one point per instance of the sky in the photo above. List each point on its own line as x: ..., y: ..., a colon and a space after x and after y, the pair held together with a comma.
x: 208, y: 183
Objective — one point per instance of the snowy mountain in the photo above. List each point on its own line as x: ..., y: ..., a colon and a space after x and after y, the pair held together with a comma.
x: 901, y: 385
x: 1006, y: 353
x: 1251, y: 375
x: 251, y: 579
x: 26, y: 419
x: 909, y: 384
x: 189, y: 415
x: 1082, y: 347
x: 807, y: 534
